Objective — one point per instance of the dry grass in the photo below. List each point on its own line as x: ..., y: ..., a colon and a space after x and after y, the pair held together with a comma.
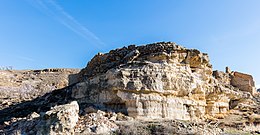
x: 165, y: 127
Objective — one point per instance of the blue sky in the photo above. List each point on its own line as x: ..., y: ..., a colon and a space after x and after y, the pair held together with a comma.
x: 37, y: 34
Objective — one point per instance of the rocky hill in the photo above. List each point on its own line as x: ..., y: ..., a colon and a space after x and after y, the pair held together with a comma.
x: 22, y: 85
x: 159, y: 88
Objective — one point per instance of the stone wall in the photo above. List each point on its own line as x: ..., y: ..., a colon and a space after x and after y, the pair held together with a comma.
x: 244, y: 82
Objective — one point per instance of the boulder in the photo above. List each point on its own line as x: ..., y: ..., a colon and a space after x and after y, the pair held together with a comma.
x: 60, y: 120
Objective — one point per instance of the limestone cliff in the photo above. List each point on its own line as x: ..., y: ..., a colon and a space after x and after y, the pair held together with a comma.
x: 151, y: 82
x: 160, y: 80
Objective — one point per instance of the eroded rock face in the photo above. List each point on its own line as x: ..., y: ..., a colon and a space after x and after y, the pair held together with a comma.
x: 161, y: 80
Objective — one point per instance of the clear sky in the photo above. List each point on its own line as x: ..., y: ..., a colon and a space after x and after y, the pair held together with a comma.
x: 36, y: 34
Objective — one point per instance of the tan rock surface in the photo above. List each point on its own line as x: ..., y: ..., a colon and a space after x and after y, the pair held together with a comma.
x: 160, y: 80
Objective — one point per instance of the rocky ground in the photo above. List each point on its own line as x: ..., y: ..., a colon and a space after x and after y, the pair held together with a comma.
x: 154, y: 89
x: 66, y: 119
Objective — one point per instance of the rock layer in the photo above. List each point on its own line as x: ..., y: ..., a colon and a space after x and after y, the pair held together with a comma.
x: 160, y: 80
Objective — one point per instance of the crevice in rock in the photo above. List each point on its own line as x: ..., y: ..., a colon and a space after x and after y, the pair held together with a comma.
x: 116, y: 105
x: 233, y: 103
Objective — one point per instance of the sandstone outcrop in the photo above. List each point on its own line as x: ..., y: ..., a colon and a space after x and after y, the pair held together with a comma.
x: 149, y: 82
x: 160, y: 80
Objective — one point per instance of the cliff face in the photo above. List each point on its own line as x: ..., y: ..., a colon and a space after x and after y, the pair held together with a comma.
x: 161, y: 80
x: 151, y: 82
